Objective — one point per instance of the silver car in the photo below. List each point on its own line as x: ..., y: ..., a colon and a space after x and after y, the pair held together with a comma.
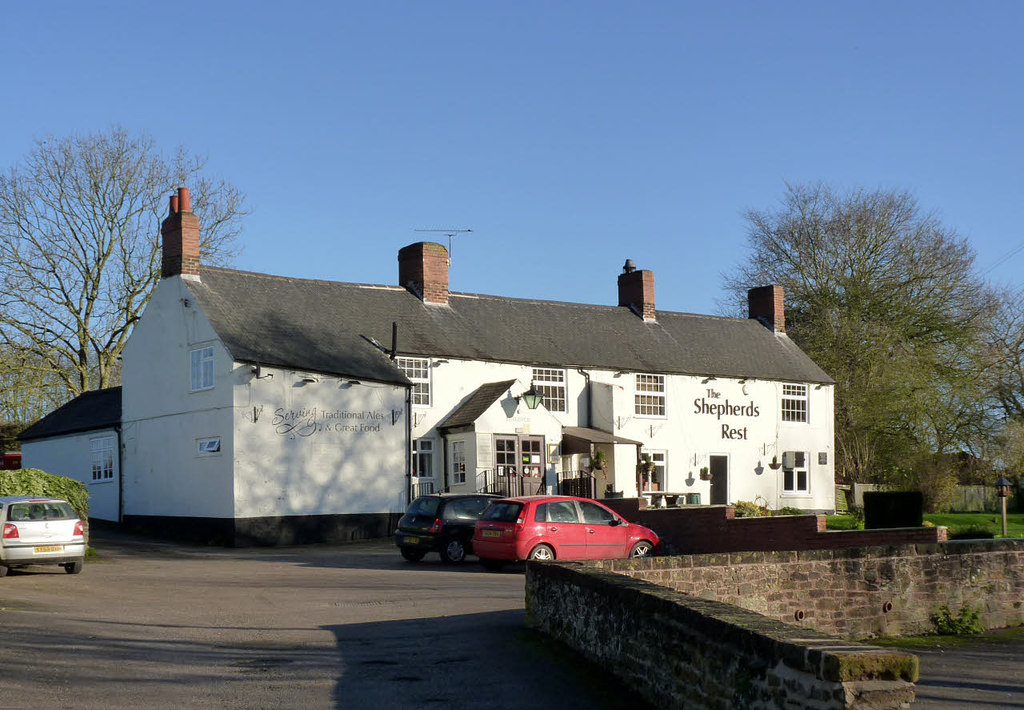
x: 40, y: 531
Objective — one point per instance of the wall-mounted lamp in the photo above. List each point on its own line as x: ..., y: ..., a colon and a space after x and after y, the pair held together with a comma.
x: 258, y: 371
x: 710, y: 378
x: 531, y: 397
x: 309, y: 378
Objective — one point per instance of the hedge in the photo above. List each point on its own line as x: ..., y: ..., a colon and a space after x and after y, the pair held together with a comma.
x: 34, y: 482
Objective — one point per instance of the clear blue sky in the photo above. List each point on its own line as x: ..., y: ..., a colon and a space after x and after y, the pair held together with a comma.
x: 568, y: 135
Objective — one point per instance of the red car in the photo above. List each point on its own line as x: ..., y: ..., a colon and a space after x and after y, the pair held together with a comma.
x: 556, y: 528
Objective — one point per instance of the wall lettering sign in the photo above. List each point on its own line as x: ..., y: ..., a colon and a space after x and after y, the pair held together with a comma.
x: 308, y: 421
x: 725, y: 409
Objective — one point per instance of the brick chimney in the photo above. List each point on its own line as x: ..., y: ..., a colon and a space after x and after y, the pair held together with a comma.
x: 636, y: 290
x: 768, y: 305
x: 423, y: 269
x: 180, y: 232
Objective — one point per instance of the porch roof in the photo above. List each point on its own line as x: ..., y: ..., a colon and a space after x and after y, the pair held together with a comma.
x: 577, y: 439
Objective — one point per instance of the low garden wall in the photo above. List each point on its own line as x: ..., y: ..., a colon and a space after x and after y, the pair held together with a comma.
x: 855, y: 593
x: 715, y: 528
x: 680, y: 650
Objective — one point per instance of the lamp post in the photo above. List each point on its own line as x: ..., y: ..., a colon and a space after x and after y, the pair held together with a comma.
x: 1003, y: 491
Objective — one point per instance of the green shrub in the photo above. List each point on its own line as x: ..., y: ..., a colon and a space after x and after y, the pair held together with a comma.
x: 746, y: 509
x: 968, y: 621
x: 788, y: 510
x: 971, y: 532
x: 33, y: 482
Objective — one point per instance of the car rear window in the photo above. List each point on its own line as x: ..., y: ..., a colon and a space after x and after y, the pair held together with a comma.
x: 466, y: 508
x: 424, y: 506
x: 503, y: 512
x: 34, y: 510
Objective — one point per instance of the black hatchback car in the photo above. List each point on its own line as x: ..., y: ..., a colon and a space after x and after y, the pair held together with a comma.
x: 442, y: 523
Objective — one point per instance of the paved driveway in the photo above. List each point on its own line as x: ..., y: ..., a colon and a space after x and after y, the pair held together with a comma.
x: 149, y: 624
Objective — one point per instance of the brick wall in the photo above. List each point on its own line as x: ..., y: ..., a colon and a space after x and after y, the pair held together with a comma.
x: 855, y: 593
x: 684, y: 651
x: 703, y: 529
x: 423, y: 267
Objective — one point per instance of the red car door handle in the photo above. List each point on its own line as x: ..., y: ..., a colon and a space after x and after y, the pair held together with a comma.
x: 590, y: 531
x: 553, y: 529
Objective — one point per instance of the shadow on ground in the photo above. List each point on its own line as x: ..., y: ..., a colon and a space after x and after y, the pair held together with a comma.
x: 466, y: 662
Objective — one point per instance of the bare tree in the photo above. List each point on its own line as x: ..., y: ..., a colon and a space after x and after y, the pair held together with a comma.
x: 887, y: 301
x: 79, y: 238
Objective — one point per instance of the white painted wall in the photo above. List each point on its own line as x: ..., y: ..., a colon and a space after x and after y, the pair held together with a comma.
x: 71, y: 456
x: 162, y: 419
x: 686, y: 433
x: 314, y: 448
x: 288, y: 446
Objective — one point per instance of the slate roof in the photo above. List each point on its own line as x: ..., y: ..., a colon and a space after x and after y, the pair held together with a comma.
x: 326, y: 326
x: 476, y: 404
x: 98, y: 409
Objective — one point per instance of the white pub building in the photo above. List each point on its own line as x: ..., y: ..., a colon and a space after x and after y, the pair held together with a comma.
x: 259, y: 409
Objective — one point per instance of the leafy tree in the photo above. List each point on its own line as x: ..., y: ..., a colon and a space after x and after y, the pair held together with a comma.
x: 79, y: 238
x: 886, y: 300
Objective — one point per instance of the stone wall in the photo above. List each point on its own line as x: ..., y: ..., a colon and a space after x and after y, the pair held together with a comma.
x: 715, y: 528
x: 680, y: 650
x: 855, y: 593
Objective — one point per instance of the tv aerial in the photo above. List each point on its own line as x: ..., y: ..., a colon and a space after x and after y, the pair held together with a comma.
x: 451, y: 233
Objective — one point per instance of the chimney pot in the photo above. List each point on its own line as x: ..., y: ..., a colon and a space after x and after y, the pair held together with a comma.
x: 629, y: 267
x: 184, y: 201
x: 174, y: 204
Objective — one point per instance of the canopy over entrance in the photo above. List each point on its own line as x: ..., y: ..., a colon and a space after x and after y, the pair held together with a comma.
x: 577, y: 439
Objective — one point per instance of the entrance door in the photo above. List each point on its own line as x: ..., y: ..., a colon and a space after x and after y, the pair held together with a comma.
x: 519, y: 464
x: 719, y: 480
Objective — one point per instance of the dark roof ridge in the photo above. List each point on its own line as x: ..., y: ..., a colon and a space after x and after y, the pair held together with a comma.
x: 278, y: 277
x: 455, y: 294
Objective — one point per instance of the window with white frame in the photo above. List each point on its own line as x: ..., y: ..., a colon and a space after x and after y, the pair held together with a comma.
x: 794, y: 403
x: 201, y: 365
x: 458, y: 462
x: 659, y: 460
x: 795, y: 478
x: 102, y: 452
x: 550, y: 382
x: 423, y: 458
x: 650, y: 395
x: 417, y: 369
x: 208, y: 446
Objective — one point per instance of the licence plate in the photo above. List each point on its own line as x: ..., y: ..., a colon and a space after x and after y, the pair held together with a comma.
x: 48, y: 548
x: 412, y: 540
x: 492, y: 533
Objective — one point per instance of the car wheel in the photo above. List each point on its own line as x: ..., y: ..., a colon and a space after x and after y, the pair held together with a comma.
x: 412, y: 555
x: 542, y: 553
x: 3, y: 570
x: 74, y: 567
x: 492, y: 565
x: 642, y: 549
x: 454, y: 551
